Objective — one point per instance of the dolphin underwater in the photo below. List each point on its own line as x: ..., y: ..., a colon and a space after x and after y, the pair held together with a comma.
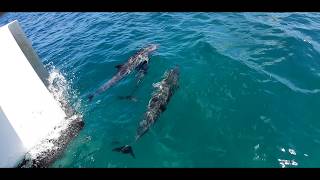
x: 157, y: 104
x: 138, y: 61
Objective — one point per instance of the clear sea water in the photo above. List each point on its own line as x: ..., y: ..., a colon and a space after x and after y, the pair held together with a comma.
x: 249, y: 87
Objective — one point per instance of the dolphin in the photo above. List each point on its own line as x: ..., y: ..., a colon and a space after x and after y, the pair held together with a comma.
x: 138, y: 61
x: 157, y: 104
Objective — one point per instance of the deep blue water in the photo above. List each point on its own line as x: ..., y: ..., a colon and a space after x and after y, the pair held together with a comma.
x: 249, y: 91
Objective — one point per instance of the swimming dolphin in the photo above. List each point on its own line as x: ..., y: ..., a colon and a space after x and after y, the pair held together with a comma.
x: 157, y: 104
x: 139, y: 62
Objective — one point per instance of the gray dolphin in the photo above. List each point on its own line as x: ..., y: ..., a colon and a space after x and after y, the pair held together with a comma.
x: 139, y: 62
x: 157, y: 104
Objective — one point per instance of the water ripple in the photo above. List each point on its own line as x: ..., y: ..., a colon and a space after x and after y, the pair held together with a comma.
x: 249, y: 85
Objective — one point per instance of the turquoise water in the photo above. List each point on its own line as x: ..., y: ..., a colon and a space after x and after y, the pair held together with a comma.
x: 249, y: 87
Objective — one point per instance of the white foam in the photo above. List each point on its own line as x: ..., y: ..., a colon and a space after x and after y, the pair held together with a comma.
x: 61, y: 90
x: 293, y: 152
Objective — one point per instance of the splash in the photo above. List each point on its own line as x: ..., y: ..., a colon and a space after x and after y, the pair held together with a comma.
x: 62, y: 91
x: 284, y: 163
x: 288, y: 162
x: 58, y: 85
x: 49, y: 148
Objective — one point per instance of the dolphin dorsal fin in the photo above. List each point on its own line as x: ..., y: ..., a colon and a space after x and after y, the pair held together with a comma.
x: 118, y: 66
x: 163, y: 108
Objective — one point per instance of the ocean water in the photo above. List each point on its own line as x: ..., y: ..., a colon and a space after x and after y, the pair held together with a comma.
x: 249, y: 91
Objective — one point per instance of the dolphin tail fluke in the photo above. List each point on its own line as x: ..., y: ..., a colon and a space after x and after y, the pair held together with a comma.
x: 131, y: 98
x: 90, y: 97
x: 127, y: 149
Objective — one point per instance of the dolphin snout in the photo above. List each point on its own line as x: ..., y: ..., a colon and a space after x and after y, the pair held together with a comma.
x: 176, y: 69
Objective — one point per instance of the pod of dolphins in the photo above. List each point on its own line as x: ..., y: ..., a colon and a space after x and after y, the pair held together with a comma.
x: 161, y: 95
